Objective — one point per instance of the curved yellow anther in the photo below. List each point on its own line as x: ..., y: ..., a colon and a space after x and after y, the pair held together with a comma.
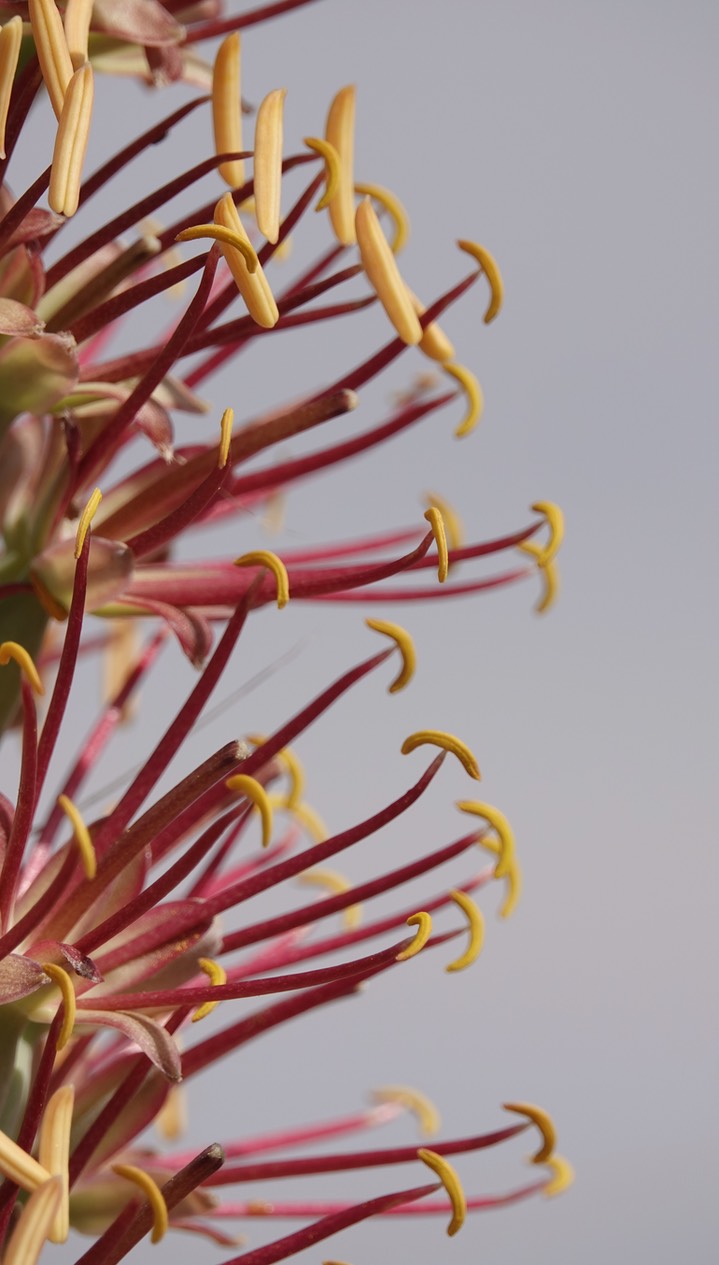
x: 452, y: 522
x: 265, y: 558
x: 10, y: 44
x: 333, y: 881
x: 475, y: 398
x: 434, y: 517
x: 13, y: 650
x: 414, y: 1100
x: 512, y: 874
x: 539, y: 1117
x: 339, y: 131
x: 251, y: 282
x: 423, y: 922
x: 152, y: 1193
x: 434, y: 342
x: 253, y: 790
x: 31, y: 1231
x: 54, y: 1152
x: 488, y: 264
x: 82, y: 835
x: 217, y: 975
x: 562, y: 1176
x: 497, y: 819
x: 73, y: 133
x: 220, y: 233
x: 227, y: 109
x: 392, y: 205
x: 309, y: 819
x: 448, y: 742
x: 52, y: 51
x: 450, y: 1180
x: 64, y: 983
x: 383, y: 274
x: 550, y: 575
x: 555, y: 523
x: 223, y: 451
x: 292, y: 766
x: 476, y: 931
x: 85, y: 519
x: 268, y: 163
x: 332, y: 167
x: 404, y: 644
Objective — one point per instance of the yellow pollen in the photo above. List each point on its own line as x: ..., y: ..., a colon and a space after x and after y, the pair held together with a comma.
x: 550, y: 575
x: 292, y: 766
x: 217, y: 975
x: 555, y: 522
x: 475, y: 398
x: 497, y: 819
x: 85, y: 519
x: 265, y: 558
x: 227, y: 109
x: 332, y: 881
x: 54, y: 1152
x: 383, y: 274
x: 225, y: 436
x: 216, y: 233
x: 488, y: 264
x: 339, y: 131
x: 12, y: 650
x: 448, y: 742
x: 253, y: 790
x: 404, y: 644
x: 18, y: 1166
x: 31, y: 1232
x: 562, y: 1176
x: 450, y: 1180
x: 434, y: 342
x: 82, y: 835
x: 52, y: 51
x: 78, y: 14
x: 423, y: 922
x: 476, y: 931
x: 251, y: 283
x: 152, y: 1193
x: 392, y: 205
x: 452, y: 522
x: 436, y: 522
x: 268, y: 163
x: 513, y: 875
x: 415, y: 1101
x: 539, y: 1117
x: 71, y: 142
x: 332, y: 168
x: 10, y: 42
x: 62, y: 980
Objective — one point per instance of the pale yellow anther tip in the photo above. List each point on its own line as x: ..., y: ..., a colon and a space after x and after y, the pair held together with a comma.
x: 253, y: 790
x: 10, y: 45
x: 223, y: 451
x: 251, y: 282
x: 227, y: 109
x: 34, y: 1224
x: 61, y: 978
x: 52, y: 50
x: 332, y: 167
x: 447, y: 742
x: 555, y: 523
x: 475, y: 920
x: 550, y: 576
x: 512, y: 873
x: 475, y: 398
x: 78, y: 15
x: 562, y: 1176
x: 85, y: 520
x: 339, y: 131
x: 228, y: 236
x: 390, y: 203
x: 421, y: 1106
x: 404, y: 644
x: 499, y: 822
x: 54, y: 1151
x: 543, y: 1121
x: 265, y: 558
x: 20, y: 1167
x: 434, y: 517
x: 333, y: 881
x: 82, y: 835
x: 450, y: 1180
x: 152, y: 1193
x: 216, y: 975
x: 71, y: 142
x: 268, y: 163
x: 423, y: 922
x: 489, y: 267
x: 383, y: 274
x: 434, y: 342
x: 19, y: 655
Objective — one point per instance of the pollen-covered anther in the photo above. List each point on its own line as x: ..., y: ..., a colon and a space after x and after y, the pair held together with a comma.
x: 562, y: 1176
x: 423, y: 922
x: 292, y: 765
x: 453, y: 527
x: 339, y: 131
x: 383, y: 274
x: 152, y: 1193
x: 550, y: 576
x: 265, y: 558
x: 216, y: 975
x: 512, y: 874
x: 488, y: 264
x: 332, y: 168
x: 434, y: 517
x: 448, y: 742
x: 85, y: 519
x: 223, y: 452
x: 13, y: 650
x: 71, y: 142
x: 334, y: 882
x: 251, y: 283
x: 54, y: 1151
x: 227, y: 109
x: 499, y: 822
x: 475, y: 398
x: 475, y: 919
x: 268, y: 163
x: 555, y: 522
x: 228, y: 236
x: 52, y: 51
x: 450, y: 1180
x: 415, y: 1101
x: 404, y: 644
x: 61, y: 978
x: 390, y: 203
x: 434, y: 342
x: 78, y: 14
x: 541, y: 1118
x: 82, y: 835
x: 10, y: 44
x: 243, y: 784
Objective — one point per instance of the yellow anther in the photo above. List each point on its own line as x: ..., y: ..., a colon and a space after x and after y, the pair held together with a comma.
x: 550, y: 575
x: 488, y: 264
x: 251, y: 283
x: 253, y: 790
x: 332, y: 168
x: 268, y: 163
x: 82, y: 835
x: 448, y: 742
x: 223, y: 453
x: 450, y: 1180
x: 265, y: 558
x: 383, y: 274
x: 217, y: 975
x: 18, y: 1166
x: 293, y: 768
x: 555, y: 523
x: 309, y: 819
x: 562, y: 1176
x: 171, y: 1120
x: 152, y: 1193
x: 434, y: 342
x: 77, y: 29
x: 340, y: 132
x: 217, y: 233
x: 512, y: 874
x: 539, y: 1117
x: 12, y: 650
x: 415, y: 1101
x: 52, y: 51
x: 32, y: 1229
x: 423, y: 922
x: 404, y: 644
x: 392, y: 205
x: 62, y: 980
x: 10, y: 42
x: 476, y: 931
x: 332, y: 881
x: 71, y: 142
x: 54, y: 1152
x: 497, y: 819
x: 452, y: 522
x: 85, y: 519
x: 434, y: 517
x: 227, y: 109
x: 475, y: 398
